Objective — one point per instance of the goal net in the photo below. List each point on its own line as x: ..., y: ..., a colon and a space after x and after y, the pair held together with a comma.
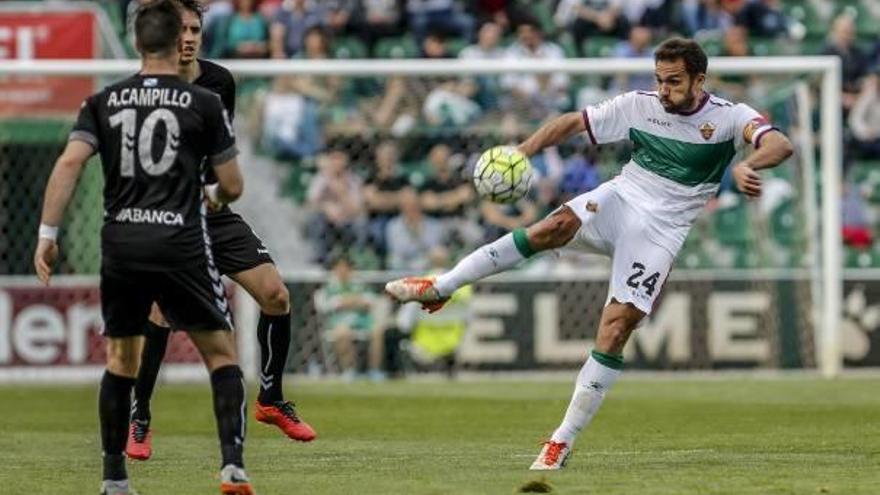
x: 758, y: 284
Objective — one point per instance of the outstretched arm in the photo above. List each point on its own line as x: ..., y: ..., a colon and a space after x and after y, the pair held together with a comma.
x: 553, y: 133
x: 59, y: 190
x: 773, y: 149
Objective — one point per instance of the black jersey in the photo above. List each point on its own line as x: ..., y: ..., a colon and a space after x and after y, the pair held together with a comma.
x: 155, y: 135
x: 217, y: 79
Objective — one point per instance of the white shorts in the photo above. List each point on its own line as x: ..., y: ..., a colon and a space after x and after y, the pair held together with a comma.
x: 612, y: 226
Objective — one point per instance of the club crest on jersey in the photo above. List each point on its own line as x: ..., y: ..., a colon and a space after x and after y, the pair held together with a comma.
x: 706, y: 130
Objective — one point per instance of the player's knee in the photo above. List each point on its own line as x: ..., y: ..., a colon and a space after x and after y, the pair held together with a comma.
x: 276, y: 299
x: 123, y: 357
x: 554, y: 231
x: 219, y: 357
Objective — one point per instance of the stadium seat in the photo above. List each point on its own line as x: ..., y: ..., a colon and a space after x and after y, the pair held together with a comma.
x: 599, y: 46
x: 349, y: 47
x: 732, y: 225
x: 402, y: 47
x: 456, y: 45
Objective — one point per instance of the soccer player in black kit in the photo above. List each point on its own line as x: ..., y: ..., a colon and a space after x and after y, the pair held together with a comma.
x: 155, y: 134
x: 239, y: 254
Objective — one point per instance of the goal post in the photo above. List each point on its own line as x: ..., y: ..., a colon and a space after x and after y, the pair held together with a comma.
x: 823, y: 70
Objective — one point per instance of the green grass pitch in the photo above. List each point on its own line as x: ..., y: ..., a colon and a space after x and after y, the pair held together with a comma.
x: 652, y: 436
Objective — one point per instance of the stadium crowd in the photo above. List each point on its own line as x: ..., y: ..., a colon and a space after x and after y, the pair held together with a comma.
x: 383, y: 164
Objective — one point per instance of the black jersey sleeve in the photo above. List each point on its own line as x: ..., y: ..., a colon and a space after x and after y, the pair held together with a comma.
x: 86, y: 127
x: 220, y: 136
x: 227, y: 93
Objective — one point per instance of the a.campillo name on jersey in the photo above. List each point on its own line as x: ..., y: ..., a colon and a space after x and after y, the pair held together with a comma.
x: 149, y: 97
x: 154, y: 217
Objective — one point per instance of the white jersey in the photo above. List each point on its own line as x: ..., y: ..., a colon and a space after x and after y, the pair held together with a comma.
x: 678, y: 159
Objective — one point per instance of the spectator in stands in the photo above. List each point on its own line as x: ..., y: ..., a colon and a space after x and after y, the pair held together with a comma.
x: 502, y: 13
x: 290, y: 24
x: 243, y: 34
x: 588, y: 18
x: 377, y: 19
x: 434, y: 338
x: 735, y: 43
x: 292, y: 111
x: 701, y: 17
x: 434, y: 46
x: 531, y: 96
x: 412, y: 235
x: 764, y: 19
x: 335, y: 198
x: 580, y: 174
x: 486, y: 48
x: 842, y: 42
x: 500, y: 219
x: 382, y: 194
x: 348, y: 311
x: 864, y: 121
x: 338, y: 15
x: 438, y: 15
x: 856, y: 225
x: 639, y: 45
x: 441, y: 99
x: 447, y: 194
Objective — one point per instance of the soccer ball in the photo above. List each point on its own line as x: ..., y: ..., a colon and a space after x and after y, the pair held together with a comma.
x: 503, y: 175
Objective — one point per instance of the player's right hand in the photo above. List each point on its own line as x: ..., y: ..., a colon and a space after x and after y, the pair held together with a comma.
x: 747, y: 179
x: 44, y: 258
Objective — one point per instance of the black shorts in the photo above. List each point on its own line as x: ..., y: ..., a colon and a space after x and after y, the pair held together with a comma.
x: 191, y: 299
x: 235, y: 246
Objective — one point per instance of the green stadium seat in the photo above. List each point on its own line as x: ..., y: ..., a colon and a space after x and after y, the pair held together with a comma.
x: 543, y: 12
x: 402, y: 47
x: 599, y: 46
x: 349, y: 47
x: 732, y: 225
x: 860, y: 258
x: 805, y: 13
x: 456, y: 45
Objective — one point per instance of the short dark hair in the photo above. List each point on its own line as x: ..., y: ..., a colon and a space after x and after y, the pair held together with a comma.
x: 695, y: 61
x: 157, y: 27
x: 531, y: 21
x: 194, y: 6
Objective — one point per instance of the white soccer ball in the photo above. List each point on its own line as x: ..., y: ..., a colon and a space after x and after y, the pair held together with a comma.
x: 503, y: 175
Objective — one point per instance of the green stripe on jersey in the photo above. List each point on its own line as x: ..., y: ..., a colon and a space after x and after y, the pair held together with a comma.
x: 690, y: 164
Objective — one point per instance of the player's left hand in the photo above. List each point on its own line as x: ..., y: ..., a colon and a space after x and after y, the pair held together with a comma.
x: 747, y: 179
x: 44, y: 258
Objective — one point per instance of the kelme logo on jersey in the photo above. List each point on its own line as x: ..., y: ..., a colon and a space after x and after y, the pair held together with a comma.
x: 707, y: 129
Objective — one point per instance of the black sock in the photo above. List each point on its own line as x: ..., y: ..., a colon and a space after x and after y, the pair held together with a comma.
x: 114, y: 401
x: 273, y: 334
x: 155, y: 344
x: 227, y: 384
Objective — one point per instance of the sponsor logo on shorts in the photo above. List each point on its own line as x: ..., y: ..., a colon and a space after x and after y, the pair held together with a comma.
x: 154, y: 217
x: 592, y: 206
x: 262, y: 251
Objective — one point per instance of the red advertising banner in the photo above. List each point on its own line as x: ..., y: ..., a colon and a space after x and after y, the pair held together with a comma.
x: 60, y: 326
x: 33, y: 35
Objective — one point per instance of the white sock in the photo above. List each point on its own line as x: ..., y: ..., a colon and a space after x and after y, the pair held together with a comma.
x: 593, y: 381
x: 495, y: 257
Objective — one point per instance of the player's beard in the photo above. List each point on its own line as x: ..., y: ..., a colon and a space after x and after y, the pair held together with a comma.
x: 685, y: 106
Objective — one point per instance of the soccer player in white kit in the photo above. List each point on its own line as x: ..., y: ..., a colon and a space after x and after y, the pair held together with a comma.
x: 683, y: 140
